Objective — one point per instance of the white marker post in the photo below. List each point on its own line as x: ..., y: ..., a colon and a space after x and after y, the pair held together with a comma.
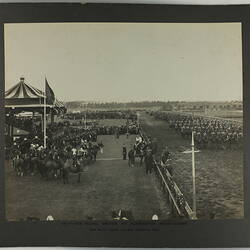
x: 193, y: 175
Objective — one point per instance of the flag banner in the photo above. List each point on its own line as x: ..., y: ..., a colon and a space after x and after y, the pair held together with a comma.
x: 49, y: 93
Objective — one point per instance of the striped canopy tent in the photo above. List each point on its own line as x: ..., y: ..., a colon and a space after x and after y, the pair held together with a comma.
x: 23, y: 96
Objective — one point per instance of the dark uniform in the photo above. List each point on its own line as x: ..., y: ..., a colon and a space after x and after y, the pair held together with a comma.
x: 165, y: 157
x: 131, y: 158
x: 124, y: 152
x: 149, y: 162
x: 154, y: 147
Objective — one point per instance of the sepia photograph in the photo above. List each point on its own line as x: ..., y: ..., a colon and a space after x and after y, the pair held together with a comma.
x: 123, y: 121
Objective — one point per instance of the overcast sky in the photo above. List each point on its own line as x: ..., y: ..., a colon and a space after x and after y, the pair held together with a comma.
x: 127, y: 61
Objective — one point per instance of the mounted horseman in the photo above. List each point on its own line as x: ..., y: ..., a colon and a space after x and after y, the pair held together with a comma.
x: 140, y: 147
x: 52, y: 165
x: 18, y: 163
x: 70, y: 167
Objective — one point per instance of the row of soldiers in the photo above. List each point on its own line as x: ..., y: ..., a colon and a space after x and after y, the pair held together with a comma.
x: 131, y: 128
x: 116, y: 114
x: 208, y: 132
x: 88, y: 134
x: 94, y: 131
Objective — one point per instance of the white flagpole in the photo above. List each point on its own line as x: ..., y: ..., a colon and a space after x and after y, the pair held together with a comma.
x: 44, y: 118
x: 193, y: 175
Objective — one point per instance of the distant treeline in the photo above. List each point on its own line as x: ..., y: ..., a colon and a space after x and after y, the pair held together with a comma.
x: 115, y: 105
x: 168, y: 106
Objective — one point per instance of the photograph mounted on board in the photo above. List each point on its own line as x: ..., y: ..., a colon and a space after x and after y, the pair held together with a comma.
x: 123, y: 121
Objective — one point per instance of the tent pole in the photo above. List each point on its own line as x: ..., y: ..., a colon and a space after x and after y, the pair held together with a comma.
x: 42, y: 122
x: 44, y: 117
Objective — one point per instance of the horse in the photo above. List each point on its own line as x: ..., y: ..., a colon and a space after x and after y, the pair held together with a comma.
x: 140, y: 151
x: 140, y: 154
x: 26, y: 164
x: 52, y: 167
x: 70, y: 167
x: 37, y: 165
x: 18, y: 165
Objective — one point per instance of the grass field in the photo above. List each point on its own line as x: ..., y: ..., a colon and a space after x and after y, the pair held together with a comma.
x: 219, y: 173
x: 107, y: 185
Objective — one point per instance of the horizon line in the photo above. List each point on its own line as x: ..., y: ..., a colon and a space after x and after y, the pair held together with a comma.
x: 125, y: 102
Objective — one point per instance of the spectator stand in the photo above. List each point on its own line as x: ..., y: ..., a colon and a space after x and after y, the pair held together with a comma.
x: 23, y: 97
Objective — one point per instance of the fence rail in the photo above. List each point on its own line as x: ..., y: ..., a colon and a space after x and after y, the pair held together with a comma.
x: 178, y: 205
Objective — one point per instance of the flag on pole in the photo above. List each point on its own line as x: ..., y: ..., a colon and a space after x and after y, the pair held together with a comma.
x: 50, y: 96
x: 44, y: 114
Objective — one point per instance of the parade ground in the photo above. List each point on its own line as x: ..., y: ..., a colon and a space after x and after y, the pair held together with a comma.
x: 219, y: 173
x: 107, y: 185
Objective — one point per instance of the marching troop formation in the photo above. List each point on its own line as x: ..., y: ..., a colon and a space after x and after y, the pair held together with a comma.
x: 209, y: 132
x: 131, y: 128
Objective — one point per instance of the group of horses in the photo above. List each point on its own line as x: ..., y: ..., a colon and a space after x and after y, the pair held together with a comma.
x: 51, y: 165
